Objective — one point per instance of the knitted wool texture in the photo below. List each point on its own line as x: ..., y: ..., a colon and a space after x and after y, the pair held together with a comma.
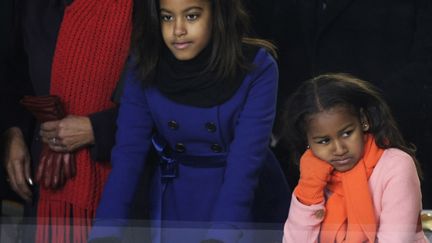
x: 91, y: 50
x: 350, y: 215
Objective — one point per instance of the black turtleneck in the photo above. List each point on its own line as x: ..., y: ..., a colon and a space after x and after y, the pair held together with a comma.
x: 189, y: 82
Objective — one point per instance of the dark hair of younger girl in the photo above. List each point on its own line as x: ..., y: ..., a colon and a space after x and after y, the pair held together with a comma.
x: 332, y: 90
x: 230, y: 27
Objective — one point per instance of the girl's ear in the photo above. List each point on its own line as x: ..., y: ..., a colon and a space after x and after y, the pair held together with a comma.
x: 364, y: 121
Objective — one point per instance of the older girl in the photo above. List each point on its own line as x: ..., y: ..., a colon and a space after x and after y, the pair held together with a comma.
x: 204, y: 96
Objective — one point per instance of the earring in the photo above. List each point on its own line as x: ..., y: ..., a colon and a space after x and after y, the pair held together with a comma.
x: 308, y: 147
x: 365, y: 127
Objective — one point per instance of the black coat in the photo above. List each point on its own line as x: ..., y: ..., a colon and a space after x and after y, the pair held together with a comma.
x: 13, y: 69
x: 387, y: 42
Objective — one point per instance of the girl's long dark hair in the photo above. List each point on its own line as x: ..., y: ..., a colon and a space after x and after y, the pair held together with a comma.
x: 230, y: 29
x: 331, y: 90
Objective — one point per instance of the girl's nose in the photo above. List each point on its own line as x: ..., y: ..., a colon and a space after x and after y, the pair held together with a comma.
x: 179, y: 28
x: 339, y: 148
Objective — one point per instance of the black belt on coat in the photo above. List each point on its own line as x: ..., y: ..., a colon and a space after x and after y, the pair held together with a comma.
x: 170, y: 159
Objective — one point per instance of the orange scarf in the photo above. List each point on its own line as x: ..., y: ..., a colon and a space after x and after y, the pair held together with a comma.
x: 350, y: 214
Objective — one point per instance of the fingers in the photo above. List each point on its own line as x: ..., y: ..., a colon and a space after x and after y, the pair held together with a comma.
x: 49, y: 126
x: 17, y: 163
x: 72, y: 164
x: 41, y: 165
x: 67, y: 165
x: 53, y: 141
x: 73, y: 132
x: 56, y: 171
x: 40, y: 170
x: 62, y: 179
x: 56, y: 144
x: 48, y: 171
x: 27, y: 172
x: 49, y: 130
x: 18, y: 181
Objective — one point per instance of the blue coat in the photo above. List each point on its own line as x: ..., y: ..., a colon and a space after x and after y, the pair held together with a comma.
x: 218, y: 172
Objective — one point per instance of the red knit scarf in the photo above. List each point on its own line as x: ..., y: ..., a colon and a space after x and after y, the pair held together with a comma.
x: 350, y: 214
x: 92, y: 46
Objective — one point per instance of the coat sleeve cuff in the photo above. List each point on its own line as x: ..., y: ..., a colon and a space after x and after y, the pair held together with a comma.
x: 104, y: 128
x: 299, y: 212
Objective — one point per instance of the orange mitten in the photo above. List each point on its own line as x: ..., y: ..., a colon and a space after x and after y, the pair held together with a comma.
x: 314, y: 175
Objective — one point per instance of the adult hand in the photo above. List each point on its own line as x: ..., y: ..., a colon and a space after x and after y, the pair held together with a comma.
x: 314, y: 175
x: 17, y: 163
x: 67, y: 134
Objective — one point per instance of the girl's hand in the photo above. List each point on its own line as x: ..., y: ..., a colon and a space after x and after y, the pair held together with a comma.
x: 314, y: 175
x: 68, y: 134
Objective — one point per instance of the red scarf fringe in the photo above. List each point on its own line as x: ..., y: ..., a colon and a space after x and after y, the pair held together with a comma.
x: 62, y: 226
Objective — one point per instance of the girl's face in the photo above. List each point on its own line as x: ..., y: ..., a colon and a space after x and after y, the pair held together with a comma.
x: 337, y: 136
x: 186, y: 26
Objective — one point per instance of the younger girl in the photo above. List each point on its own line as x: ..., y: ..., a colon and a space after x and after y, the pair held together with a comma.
x: 204, y: 97
x: 358, y: 178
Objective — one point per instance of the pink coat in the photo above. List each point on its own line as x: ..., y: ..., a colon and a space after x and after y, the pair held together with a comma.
x: 395, y: 189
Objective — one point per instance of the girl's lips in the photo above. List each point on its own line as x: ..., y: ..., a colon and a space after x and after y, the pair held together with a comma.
x: 341, y: 161
x: 181, y: 45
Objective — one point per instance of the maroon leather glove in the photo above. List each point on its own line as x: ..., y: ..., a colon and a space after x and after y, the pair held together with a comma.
x: 44, y: 108
x: 54, y: 168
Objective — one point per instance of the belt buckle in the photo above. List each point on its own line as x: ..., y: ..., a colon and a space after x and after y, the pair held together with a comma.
x: 169, y: 168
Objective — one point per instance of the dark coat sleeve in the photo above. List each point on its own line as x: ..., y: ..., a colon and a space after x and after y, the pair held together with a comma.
x: 104, y: 127
x: 14, y: 75
x: 247, y: 151
x: 133, y: 137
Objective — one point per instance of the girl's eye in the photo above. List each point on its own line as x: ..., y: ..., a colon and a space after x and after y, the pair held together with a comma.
x: 166, y: 18
x: 191, y: 17
x: 323, y: 141
x: 347, y: 133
